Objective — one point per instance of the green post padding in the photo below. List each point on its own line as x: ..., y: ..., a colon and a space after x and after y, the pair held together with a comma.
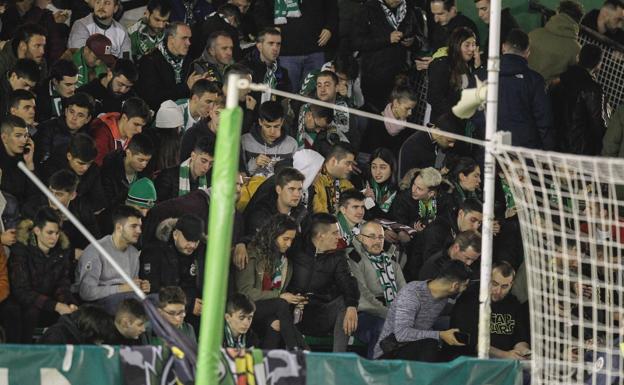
x: 59, y: 365
x: 350, y: 369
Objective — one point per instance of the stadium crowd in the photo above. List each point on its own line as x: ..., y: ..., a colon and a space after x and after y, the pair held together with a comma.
x: 345, y: 227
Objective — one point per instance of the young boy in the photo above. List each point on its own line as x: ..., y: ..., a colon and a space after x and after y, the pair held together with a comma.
x: 171, y: 305
x: 239, y: 313
x: 130, y: 322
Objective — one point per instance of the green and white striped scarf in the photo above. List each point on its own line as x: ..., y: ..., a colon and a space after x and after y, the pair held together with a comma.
x: 230, y: 341
x: 174, y: 61
x: 385, y: 273
x: 284, y: 9
x: 383, y: 196
x: 185, y: 179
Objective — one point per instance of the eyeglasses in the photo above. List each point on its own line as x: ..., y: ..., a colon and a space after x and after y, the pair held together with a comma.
x: 175, y: 313
x: 373, y: 237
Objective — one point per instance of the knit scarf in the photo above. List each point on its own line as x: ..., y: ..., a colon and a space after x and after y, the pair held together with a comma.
x: 427, y: 210
x: 385, y: 273
x: 284, y: 9
x: 383, y: 195
x: 305, y: 138
x: 144, y: 42
x: 230, y: 341
x: 509, y: 199
x: 274, y: 282
x: 465, y: 194
x: 185, y: 179
x: 347, y: 232
x: 394, y: 19
x: 270, y: 79
x: 392, y: 128
x: 174, y: 61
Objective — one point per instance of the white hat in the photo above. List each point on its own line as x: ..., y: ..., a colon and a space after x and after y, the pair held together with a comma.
x: 169, y: 115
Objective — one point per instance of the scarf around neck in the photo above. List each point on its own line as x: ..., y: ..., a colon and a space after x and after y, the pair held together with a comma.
x: 384, y: 196
x: 185, y: 179
x: 230, y: 341
x: 174, y: 61
x: 385, y: 273
x: 394, y: 19
x: 392, y: 128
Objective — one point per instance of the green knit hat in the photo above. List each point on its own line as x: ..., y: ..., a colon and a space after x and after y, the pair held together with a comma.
x: 142, y: 193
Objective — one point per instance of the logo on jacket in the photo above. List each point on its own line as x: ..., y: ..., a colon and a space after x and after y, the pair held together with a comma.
x: 193, y: 270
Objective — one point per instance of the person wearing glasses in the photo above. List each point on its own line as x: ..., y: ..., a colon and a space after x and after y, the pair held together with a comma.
x: 172, y: 306
x: 379, y: 278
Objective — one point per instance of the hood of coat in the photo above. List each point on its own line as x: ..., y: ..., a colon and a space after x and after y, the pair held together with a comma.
x: 257, y: 135
x: 309, y: 163
x: 562, y: 25
x: 25, y: 235
x: 165, y: 229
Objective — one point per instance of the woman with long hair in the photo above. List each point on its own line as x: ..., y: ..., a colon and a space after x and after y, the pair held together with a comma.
x: 381, y: 184
x: 452, y: 70
x: 264, y: 280
x: 465, y: 176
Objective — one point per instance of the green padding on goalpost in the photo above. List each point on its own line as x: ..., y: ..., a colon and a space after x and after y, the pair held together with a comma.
x: 350, y: 369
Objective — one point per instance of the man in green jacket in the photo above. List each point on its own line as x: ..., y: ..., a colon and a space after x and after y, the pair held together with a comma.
x: 93, y: 59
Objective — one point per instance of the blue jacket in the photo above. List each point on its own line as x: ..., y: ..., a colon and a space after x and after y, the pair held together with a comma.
x: 524, y: 109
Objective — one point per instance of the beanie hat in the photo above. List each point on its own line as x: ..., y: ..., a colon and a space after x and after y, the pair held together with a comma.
x: 142, y: 193
x: 169, y: 115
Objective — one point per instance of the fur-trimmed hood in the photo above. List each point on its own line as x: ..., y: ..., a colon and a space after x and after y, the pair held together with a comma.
x: 25, y: 235
x: 165, y: 228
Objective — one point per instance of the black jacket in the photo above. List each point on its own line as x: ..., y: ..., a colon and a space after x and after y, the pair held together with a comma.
x: 155, y: 70
x: 523, y: 107
x: 263, y: 205
x: 202, y: 30
x: 580, y: 112
x: 167, y: 183
x: 65, y: 332
x: 105, y: 100
x: 200, y: 129
x: 327, y: 275
x: 48, y: 104
x: 259, y: 69
x: 439, y: 234
x: 418, y: 151
x: 13, y: 180
x: 440, y: 34
x: 300, y: 35
x: 114, y: 178
x: 51, y: 134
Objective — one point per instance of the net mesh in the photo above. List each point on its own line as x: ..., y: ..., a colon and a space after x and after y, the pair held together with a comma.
x: 569, y: 213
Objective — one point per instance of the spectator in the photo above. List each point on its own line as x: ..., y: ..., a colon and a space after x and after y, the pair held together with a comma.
x: 447, y: 20
x: 407, y: 333
x: 215, y: 59
x: 509, y: 331
x: 332, y: 180
x: 171, y: 305
x: 93, y: 59
x: 190, y: 13
x: 580, y: 108
x: 89, y: 324
x: 402, y: 101
x: 53, y: 91
x: 607, y: 20
x: 507, y: 22
x: 101, y: 21
x: 112, y: 89
x: 39, y: 275
x: 148, y: 32
x: 268, y: 142
x: 28, y: 42
x: 24, y: 76
x: 280, y: 194
x: 613, y: 143
x: 142, y: 195
x: 264, y: 63
x: 122, y: 167
x: 523, y: 108
x: 239, y: 313
x: 346, y: 67
x: 264, y: 280
x: 386, y: 33
x: 190, y: 175
x: 130, y: 320
x: 114, y: 130
x: 204, y: 97
x: 423, y: 149
x: 56, y: 132
x: 167, y: 66
x: 445, y: 228
x: 381, y: 185
x: 172, y: 260
x: 466, y: 248
x: 304, y: 37
x: 206, y: 127
x: 379, y: 279
x: 451, y: 73
x: 465, y: 176
x: 227, y: 19
x: 22, y: 104
x: 16, y: 147
x: 555, y: 46
x: 314, y: 130
x: 96, y: 279
x: 322, y: 271
x: 350, y: 216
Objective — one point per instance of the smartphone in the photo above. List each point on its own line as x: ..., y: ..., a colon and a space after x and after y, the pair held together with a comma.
x: 463, y: 338
x: 26, y: 149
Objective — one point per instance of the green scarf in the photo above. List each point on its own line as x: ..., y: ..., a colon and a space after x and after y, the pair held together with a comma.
x: 509, y: 199
x: 174, y: 61
x: 383, y: 195
x: 284, y: 9
x: 230, y: 341
x: 84, y: 69
x: 185, y: 181
x: 385, y: 273
x: 141, y: 41
x: 347, y: 233
x: 463, y: 194
x: 427, y: 210
x: 305, y: 138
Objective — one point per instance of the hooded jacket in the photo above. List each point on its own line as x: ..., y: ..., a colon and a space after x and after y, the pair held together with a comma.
x: 37, y: 279
x: 523, y: 107
x: 580, y: 112
x: 105, y: 132
x: 554, y: 47
x: 368, y: 282
x: 253, y: 145
x: 249, y: 280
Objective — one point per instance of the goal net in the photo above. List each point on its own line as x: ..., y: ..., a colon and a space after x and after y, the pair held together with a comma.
x: 569, y: 213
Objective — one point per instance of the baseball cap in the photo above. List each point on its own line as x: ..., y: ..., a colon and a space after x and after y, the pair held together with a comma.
x: 191, y: 226
x: 101, y: 47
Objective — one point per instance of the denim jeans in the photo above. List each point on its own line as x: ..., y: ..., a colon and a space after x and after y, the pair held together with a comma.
x: 368, y: 330
x: 299, y: 66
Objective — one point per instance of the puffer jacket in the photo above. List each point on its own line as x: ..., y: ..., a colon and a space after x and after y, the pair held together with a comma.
x: 580, y: 112
x: 324, y: 196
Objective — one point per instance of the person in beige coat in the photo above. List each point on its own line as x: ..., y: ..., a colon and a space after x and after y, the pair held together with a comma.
x: 264, y: 280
